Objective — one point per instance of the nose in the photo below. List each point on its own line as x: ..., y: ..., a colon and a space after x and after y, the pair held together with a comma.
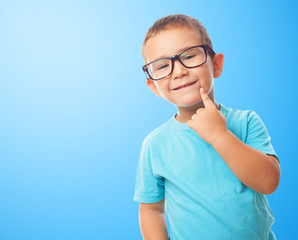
x: 178, y: 69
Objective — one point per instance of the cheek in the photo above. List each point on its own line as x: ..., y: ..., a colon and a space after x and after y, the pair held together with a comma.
x: 161, y: 86
x: 204, y: 74
x: 159, y: 89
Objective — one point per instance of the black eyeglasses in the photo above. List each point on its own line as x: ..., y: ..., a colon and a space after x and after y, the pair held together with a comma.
x: 190, y: 58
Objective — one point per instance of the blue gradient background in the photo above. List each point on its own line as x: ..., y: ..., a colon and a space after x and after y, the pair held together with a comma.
x: 75, y: 107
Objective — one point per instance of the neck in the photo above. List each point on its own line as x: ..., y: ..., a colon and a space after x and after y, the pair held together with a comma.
x: 185, y: 113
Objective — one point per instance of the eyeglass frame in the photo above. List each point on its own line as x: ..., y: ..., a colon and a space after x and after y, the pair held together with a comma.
x: 177, y: 56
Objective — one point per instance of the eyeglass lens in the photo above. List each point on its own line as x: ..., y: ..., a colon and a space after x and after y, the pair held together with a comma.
x: 190, y: 58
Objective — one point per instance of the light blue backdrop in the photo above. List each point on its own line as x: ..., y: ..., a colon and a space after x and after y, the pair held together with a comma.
x: 75, y: 107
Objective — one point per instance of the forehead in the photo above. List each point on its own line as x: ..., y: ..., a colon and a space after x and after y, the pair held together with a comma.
x: 170, y: 42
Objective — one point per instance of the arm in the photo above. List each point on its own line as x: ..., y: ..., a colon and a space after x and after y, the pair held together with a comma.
x: 253, y: 168
x: 152, y: 221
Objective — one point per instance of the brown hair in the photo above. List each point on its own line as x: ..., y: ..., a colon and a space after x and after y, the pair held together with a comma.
x: 177, y: 20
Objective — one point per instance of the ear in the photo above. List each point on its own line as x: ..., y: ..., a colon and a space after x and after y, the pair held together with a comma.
x: 217, y: 61
x: 152, y: 86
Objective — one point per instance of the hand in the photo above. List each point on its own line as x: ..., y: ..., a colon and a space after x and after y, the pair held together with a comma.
x: 208, y: 122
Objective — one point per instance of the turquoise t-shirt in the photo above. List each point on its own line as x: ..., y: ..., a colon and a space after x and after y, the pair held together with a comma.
x: 204, y: 199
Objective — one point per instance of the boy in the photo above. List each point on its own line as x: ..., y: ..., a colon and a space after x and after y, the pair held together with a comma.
x: 209, y: 165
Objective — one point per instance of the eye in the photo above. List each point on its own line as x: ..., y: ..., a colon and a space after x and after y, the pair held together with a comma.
x: 190, y: 56
x: 162, y: 66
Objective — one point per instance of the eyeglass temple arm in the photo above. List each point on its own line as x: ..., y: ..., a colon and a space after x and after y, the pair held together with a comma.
x: 145, y: 71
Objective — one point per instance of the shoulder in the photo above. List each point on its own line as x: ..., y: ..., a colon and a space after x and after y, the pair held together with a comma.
x: 242, y: 122
x: 239, y: 116
x: 158, y: 134
x: 251, y: 130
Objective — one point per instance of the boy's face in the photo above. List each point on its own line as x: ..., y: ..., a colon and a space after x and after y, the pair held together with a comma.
x: 168, y: 43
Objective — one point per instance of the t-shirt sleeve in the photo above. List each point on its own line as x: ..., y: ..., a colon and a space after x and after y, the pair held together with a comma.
x: 257, y: 135
x: 149, y: 188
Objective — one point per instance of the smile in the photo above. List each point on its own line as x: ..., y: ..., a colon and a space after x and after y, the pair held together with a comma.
x: 185, y: 85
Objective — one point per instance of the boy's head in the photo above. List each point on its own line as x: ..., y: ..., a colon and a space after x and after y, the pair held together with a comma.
x: 179, y: 60
x: 176, y: 21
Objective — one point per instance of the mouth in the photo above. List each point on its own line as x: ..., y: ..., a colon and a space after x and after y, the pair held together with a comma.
x: 184, y: 85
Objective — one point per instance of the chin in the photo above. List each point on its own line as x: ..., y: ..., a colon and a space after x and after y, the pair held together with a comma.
x: 188, y: 102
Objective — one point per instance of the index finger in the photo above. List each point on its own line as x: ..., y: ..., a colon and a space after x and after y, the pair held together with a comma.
x: 206, y: 100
